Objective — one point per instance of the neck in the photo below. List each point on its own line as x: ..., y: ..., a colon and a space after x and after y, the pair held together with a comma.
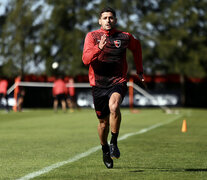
x: 108, y: 32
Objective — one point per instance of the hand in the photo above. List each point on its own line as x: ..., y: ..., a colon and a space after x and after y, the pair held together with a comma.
x: 142, y: 80
x: 102, y: 42
x: 141, y: 77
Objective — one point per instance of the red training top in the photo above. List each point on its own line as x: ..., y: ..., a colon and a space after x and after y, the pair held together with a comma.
x: 59, y: 87
x: 3, y: 86
x: 108, y: 66
x: 71, y: 89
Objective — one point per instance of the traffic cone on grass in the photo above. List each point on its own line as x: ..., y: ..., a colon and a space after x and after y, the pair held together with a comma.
x: 184, y: 126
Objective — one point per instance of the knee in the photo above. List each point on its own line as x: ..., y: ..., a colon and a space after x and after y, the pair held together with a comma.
x: 114, y: 107
x: 103, y: 124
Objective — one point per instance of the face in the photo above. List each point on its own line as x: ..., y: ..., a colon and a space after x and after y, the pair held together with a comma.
x: 107, y: 21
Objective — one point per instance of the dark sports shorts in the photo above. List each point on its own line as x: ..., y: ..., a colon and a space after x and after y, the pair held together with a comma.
x: 72, y: 98
x: 60, y: 97
x: 101, y: 98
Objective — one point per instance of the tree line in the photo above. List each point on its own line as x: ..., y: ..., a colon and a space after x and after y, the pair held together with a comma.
x: 35, y: 34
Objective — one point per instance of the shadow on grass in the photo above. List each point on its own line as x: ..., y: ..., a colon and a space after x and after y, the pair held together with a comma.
x: 170, y: 170
x: 199, y: 170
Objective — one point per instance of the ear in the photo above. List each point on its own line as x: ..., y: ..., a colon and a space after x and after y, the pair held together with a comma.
x: 99, y: 21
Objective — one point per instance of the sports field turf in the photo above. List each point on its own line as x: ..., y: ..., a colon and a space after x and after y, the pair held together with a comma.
x: 54, y: 146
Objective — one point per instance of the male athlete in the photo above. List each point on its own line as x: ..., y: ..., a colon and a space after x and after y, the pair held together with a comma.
x: 105, y: 53
x: 59, y: 92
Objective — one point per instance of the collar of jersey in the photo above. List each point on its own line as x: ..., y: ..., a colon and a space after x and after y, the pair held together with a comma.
x: 108, y: 33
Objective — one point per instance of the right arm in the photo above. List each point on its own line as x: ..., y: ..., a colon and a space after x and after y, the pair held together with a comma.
x: 91, y: 50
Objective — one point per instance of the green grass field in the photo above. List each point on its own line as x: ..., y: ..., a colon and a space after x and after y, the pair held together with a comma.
x: 152, y: 145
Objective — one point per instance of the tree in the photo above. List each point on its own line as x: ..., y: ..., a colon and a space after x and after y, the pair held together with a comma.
x: 19, y: 35
x: 172, y: 33
x: 175, y: 36
x: 62, y: 37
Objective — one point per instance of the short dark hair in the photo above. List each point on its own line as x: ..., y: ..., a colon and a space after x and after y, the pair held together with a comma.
x: 107, y: 9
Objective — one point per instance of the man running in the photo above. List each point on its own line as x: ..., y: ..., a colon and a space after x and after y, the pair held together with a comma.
x: 105, y: 54
x: 59, y: 92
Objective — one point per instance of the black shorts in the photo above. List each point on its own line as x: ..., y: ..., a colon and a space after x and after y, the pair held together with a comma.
x: 59, y: 97
x: 72, y: 98
x: 101, y: 98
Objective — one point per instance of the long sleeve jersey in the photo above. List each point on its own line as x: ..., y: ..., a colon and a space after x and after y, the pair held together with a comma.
x: 3, y: 86
x: 59, y: 87
x: 108, y: 66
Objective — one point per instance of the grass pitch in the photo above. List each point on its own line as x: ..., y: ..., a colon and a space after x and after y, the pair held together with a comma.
x: 35, y: 139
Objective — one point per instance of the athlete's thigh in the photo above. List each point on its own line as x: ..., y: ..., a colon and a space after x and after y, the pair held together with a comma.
x: 100, y: 102
x: 117, y: 93
x: 115, y: 98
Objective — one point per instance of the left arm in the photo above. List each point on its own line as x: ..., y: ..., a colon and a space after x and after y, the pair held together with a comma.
x: 135, y: 47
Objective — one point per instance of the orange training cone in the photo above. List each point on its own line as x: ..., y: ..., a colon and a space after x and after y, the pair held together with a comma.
x: 184, y: 126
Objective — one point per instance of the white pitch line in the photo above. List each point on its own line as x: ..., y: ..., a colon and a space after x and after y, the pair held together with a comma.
x: 148, y: 129
x: 59, y: 164
x: 90, y: 151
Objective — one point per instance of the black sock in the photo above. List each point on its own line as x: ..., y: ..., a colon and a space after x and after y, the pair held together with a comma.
x: 114, y: 137
x: 105, y: 148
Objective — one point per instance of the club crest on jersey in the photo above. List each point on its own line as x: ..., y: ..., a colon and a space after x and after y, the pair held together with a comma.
x: 117, y: 43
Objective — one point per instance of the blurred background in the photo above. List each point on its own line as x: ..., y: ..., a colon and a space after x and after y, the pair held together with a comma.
x: 40, y: 39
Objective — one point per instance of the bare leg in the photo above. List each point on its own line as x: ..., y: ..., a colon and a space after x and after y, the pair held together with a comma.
x: 63, y: 105
x: 103, y: 130
x: 70, y: 105
x: 115, y: 114
x: 19, y: 104
x: 115, y: 121
x: 55, y: 105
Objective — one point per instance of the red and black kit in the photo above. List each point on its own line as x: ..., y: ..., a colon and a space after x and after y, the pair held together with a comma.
x: 101, y: 98
x: 108, y: 67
